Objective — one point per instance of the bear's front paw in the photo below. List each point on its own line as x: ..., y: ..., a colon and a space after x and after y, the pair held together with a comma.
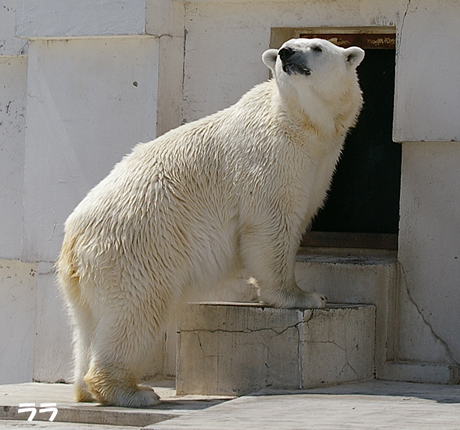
x: 312, y: 300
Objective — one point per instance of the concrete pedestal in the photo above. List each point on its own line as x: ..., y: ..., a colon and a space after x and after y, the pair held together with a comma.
x: 239, y: 348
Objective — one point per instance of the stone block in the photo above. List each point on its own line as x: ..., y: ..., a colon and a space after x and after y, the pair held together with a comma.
x: 17, y: 316
x: 338, y: 345
x: 357, y: 278
x: 67, y: 18
x: 431, y: 373
x: 84, y: 99
x: 239, y: 348
x: 13, y: 93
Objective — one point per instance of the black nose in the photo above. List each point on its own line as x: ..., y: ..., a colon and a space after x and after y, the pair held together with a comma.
x: 285, y: 53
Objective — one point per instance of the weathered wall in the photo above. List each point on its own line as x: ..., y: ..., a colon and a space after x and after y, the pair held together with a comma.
x: 225, y: 41
x: 57, y: 18
x: 13, y: 72
x: 428, y: 64
x: 17, y: 317
x: 189, y: 59
x: 430, y: 253
x: 17, y: 280
x: 89, y: 102
x: 426, y: 113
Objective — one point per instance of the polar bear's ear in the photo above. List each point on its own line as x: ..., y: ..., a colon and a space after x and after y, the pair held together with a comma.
x: 354, y: 56
x: 269, y: 58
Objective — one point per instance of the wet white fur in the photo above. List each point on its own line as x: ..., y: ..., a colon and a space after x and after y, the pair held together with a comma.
x: 191, y: 208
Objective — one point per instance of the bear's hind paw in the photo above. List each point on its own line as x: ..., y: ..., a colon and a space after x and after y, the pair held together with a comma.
x: 144, y: 397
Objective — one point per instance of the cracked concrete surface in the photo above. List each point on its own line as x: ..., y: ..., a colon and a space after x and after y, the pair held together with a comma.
x: 230, y: 348
x: 416, y: 332
x: 339, y: 346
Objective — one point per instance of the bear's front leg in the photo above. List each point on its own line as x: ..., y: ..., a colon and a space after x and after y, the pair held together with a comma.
x: 270, y: 259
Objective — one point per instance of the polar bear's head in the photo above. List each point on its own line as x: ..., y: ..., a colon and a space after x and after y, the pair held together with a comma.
x: 313, y: 64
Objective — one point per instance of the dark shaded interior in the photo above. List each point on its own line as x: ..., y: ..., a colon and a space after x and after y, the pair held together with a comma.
x: 364, y: 196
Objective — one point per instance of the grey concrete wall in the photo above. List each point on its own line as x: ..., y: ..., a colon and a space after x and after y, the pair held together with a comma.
x: 17, y: 280
x: 75, y: 95
x: 430, y: 253
x: 89, y: 102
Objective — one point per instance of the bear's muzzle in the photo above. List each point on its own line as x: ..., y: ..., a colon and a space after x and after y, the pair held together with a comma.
x: 292, y: 62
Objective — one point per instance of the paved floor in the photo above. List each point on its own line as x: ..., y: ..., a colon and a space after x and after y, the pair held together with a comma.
x: 369, y: 405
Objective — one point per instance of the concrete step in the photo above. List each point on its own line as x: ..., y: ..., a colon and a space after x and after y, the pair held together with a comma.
x: 68, y: 411
x: 432, y: 373
x: 239, y: 348
x: 366, y: 276
x: 344, y: 276
x: 369, y: 405
x: 363, y: 277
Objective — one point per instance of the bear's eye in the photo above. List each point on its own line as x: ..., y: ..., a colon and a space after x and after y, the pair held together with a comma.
x: 317, y: 49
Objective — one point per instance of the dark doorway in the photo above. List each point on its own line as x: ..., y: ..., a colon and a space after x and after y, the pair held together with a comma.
x: 362, y: 208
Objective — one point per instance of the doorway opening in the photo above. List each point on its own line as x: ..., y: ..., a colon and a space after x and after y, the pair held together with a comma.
x: 362, y: 208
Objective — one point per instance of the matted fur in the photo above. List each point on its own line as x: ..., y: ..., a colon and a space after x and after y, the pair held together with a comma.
x: 191, y: 208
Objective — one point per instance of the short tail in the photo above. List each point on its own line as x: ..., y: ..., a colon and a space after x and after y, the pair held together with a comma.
x: 67, y: 276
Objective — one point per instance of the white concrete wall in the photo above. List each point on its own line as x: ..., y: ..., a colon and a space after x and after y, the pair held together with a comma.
x: 430, y: 253
x: 13, y: 88
x: 13, y: 72
x: 426, y: 113
x: 17, y: 280
x: 17, y: 316
x: 84, y: 112
x: 68, y: 18
x: 89, y: 102
x: 9, y: 44
x: 225, y: 41
x: 428, y: 66
x: 52, y: 347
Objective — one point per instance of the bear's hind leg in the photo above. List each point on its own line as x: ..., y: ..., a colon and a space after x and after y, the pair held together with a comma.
x: 120, y: 350
x: 82, y: 351
x: 112, y: 385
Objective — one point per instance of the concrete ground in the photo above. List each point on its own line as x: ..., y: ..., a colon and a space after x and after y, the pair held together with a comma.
x: 367, y: 405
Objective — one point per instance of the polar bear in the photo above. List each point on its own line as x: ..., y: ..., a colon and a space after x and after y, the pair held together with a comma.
x: 191, y: 208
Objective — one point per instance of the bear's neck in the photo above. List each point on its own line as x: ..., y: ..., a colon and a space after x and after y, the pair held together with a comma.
x: 329, y: 118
